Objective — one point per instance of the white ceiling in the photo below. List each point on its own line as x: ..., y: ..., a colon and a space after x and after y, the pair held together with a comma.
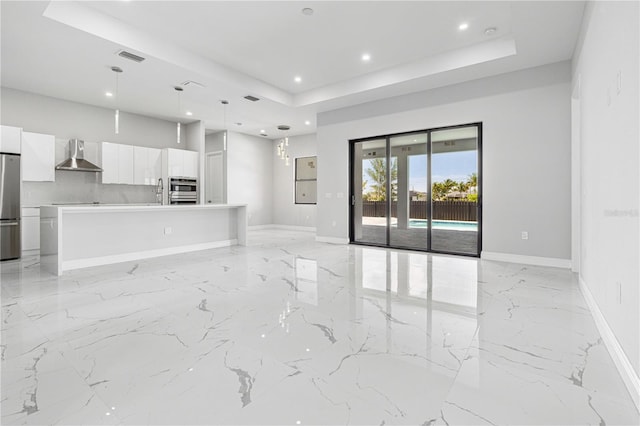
x: 65, y: 49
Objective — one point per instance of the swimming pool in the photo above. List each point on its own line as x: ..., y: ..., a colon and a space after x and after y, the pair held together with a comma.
x: 452, y: 225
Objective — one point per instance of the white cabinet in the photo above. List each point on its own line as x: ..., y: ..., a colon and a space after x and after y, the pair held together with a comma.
x: 182, y: 163
x: 10, y: 138
x: 154, y: 158
x: 38, y: 157
x: 125, y: 164
x: 174, y: 162
x: 30, y: 228
x: 147, y: 165
x: 109, y: 162
x: 117, y: 163
x: 190, y: 162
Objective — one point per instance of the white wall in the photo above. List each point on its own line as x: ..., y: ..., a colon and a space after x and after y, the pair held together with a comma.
x: 67, y: 120
x: 609, y: 163
x: 214, y: 142
x: 285, y: 211
x: 195, y: 141
x: 526, y: 154
x: 249, y: 176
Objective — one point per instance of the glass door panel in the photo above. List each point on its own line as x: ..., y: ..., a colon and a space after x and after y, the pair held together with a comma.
x: 409, y: 191
x: 370, y: 201
x: 454, y: 190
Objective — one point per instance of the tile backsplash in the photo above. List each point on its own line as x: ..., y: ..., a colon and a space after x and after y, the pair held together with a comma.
x: 83, y: 187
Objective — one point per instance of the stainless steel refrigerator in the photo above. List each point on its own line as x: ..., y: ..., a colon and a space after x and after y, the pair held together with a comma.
x: 10, y: 246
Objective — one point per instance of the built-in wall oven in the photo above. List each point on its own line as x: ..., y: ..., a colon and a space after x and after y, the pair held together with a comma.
x: 183, y: 190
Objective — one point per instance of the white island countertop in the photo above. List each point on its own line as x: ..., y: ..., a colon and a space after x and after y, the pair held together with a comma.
x: 141, y: 207
x: 80, y: 236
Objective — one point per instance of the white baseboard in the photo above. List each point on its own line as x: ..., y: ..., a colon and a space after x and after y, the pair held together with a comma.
x: 296, y: 228
x: 259, y: 227
x: 528, y: 260
x: 284, y: 227
x: 126, y: 257
x: 332, y: 240
x: 620, y: 359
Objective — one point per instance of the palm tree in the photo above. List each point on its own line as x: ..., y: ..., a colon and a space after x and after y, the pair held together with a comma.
x: 472, y: 180
x: 377, y: 172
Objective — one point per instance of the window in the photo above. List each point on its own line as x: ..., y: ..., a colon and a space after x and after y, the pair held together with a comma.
x: 306, y: 180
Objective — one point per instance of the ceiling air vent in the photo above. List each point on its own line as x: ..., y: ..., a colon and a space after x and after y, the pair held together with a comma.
x: 251, y: 98
x: 130, y: 56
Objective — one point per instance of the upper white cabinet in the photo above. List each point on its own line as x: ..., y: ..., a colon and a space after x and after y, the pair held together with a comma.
x: 38, y: 157
x: 10, y: 138
x: 109, y: 162
x: 117, y: 163
x: 147, y: 165
x: 190, y: 161
x: 182, y: 163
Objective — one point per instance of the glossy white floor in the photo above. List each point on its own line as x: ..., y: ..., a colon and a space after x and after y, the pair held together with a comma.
x: 290, y: 331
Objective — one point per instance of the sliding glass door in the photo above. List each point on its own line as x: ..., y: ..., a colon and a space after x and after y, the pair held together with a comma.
x: 418, y: 190
x: 369, y: 194
x: 409, y: 211
x: 454, y: 195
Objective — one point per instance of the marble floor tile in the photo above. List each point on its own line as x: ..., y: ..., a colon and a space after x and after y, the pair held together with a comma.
x: 287, y: 330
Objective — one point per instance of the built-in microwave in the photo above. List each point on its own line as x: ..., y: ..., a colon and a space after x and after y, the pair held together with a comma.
x: 183, y: 190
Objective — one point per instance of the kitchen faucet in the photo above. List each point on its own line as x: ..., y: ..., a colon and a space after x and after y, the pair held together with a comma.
x: 159, y: 191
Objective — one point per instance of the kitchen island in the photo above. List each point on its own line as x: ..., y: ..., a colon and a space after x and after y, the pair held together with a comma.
x: 73, y: 237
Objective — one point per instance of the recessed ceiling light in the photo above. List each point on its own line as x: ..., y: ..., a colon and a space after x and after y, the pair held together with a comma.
x: 189, y: 113
x: 108, y: 94
x: 297, y: 79
x: 307, y: 11
x: 263, y: 131
x: 463, y: 26
x: 490, y: 31
x: 308, y: 123
x: 366, y: 57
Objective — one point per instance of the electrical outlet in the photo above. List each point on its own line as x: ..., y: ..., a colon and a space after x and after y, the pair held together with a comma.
x: 327, y: 195
x: 167, y: 230
x: 525, y: 235
x: 333, y: 223
x: 340, y: 195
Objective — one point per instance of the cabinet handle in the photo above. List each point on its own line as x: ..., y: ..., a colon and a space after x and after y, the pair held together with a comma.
x: 8, y: 223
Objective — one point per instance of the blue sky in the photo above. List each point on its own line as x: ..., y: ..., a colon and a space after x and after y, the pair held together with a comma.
x: 456, y: 166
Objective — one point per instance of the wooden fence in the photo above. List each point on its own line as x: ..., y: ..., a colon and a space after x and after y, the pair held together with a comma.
x: 442, y: 210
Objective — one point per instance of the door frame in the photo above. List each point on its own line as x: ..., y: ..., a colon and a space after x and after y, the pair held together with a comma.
x: 387, y: 137
x: 208, y: 185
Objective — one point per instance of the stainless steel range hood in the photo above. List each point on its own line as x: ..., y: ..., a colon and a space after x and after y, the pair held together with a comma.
x: 76, y: 161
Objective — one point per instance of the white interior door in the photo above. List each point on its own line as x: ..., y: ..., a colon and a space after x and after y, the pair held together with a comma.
x: 215, y: 178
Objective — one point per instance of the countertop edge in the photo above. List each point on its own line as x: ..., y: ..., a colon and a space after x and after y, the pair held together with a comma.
x: 111, y: 208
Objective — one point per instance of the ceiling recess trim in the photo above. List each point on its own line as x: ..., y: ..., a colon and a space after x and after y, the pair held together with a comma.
x: 84, y: 18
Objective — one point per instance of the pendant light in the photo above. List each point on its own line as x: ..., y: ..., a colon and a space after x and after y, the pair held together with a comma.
x: 224, y: 123
x: 284, y: 143
x: 117, y: 71
x: 178, y: 125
